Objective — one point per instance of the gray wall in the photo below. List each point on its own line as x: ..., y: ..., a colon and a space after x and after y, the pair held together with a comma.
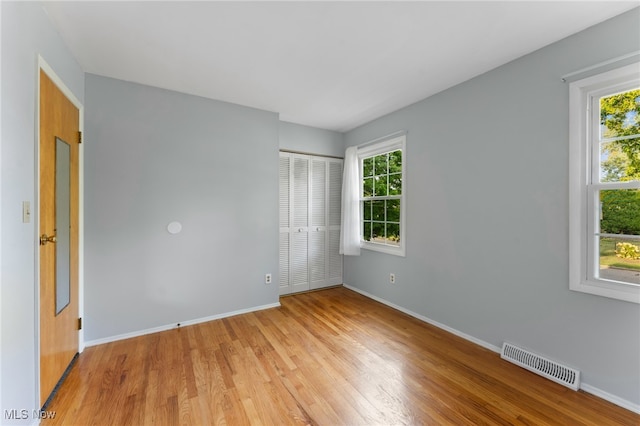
x: 154, y: 156
x: 26, y: 32
x: 294, y: 137
x: 487, y: 218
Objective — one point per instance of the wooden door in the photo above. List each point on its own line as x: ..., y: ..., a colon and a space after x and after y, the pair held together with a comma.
x: 59, y: 124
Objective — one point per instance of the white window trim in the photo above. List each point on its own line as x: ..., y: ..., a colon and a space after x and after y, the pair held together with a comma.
x: 582, y: 263
x: 372, y: 149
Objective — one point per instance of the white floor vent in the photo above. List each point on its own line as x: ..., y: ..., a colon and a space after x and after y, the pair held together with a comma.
x: 566, y: 376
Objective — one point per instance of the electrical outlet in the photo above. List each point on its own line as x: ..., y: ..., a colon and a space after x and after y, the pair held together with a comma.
x: 392, y: 278
x: 267, y: 278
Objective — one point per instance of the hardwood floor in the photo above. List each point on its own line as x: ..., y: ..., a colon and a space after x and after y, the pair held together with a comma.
x: 331, y: 357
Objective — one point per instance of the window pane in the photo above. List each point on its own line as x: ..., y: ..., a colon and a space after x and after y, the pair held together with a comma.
x: 619, y: 256
x: 620, y: 160
x: 393, y: 234
x: 367, y: 231
x: 393, y: 210
x: 377, y: 208
x: 620, y: 260
x: 367, y: 188
x: 395, y: 184
x: 381, y: 165
x: 367, y: 210
x: 395, y: 162
x: 377, y: 232
x: 619, y: 114
x: 620, y: 211
x: 367, y: 166
x: 380, y: 186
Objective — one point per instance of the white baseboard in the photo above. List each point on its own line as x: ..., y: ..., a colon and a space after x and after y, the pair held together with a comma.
x: 583, y: 386
x: 427, y: 320
x: 610, y: 397
x: 173, y: 325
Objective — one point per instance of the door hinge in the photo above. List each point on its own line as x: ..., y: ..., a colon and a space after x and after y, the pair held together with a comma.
x: 79, y: 323
x: 79, y: 137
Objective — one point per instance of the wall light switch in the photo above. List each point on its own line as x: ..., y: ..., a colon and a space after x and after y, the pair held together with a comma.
x: 26, y: 212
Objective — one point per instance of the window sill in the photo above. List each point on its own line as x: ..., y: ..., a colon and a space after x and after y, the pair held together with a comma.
x: 382, y: 248
x: 610, y: 289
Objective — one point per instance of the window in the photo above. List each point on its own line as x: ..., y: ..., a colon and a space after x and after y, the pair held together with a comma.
x: 382, y: 208
x: 605, y: 184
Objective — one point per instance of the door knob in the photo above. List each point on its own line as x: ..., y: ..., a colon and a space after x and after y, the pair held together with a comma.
x: 44, y: 239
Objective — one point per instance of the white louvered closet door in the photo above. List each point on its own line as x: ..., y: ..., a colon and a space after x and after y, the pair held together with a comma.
x: 318, y: 228
x: 285, y: 222
x: 299, y: 253
x: 334, y: 258
x: 310, y: 189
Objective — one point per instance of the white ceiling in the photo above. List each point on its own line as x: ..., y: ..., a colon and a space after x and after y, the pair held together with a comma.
x: 332, y: 65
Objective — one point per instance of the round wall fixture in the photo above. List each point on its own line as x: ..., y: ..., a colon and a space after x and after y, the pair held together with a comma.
x: 174, y: 227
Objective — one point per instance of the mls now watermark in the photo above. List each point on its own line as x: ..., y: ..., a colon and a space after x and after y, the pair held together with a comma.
x: 16, y: 414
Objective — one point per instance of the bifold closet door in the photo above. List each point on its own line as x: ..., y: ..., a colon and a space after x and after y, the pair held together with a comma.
x: 310, y: 189
x: 334, y: 212
x: 299, y: 233
x: 318, y: 228
x: 285, y: 222
x: 294, y: 223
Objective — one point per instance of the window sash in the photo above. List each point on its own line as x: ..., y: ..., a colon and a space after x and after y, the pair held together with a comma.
x: 593, y: 242
x: 382, y: 197
x: 594, y: 138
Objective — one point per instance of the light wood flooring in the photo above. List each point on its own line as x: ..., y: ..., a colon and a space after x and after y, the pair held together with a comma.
x: 330, y: 357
